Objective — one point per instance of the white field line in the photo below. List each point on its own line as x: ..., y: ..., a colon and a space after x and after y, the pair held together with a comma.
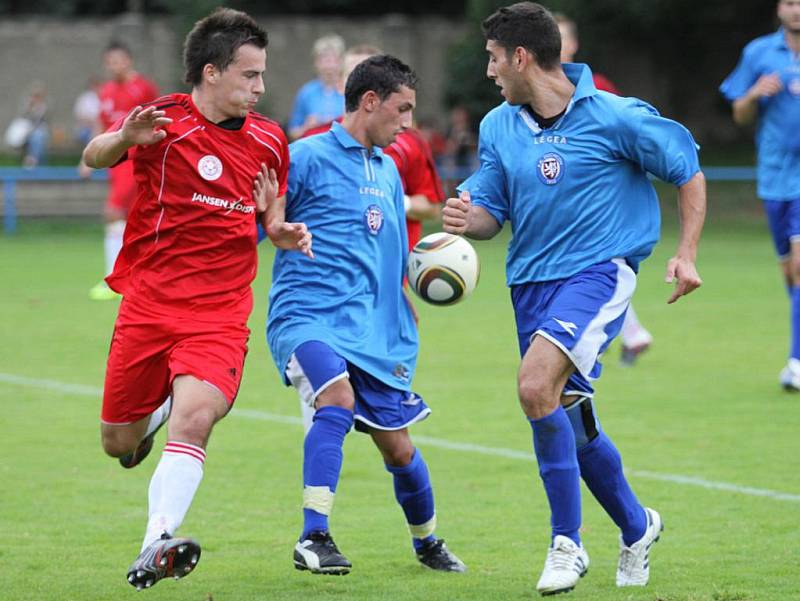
x: 440, y: 443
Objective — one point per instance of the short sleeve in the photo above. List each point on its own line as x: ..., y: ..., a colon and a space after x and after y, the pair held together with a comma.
x: 741, y: 78
x: 660, y: 146
x: 487, y: 186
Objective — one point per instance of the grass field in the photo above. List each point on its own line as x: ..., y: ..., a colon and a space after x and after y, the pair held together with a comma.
x: 707, y: 435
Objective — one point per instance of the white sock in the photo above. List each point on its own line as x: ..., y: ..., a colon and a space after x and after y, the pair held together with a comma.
x: 158, y: 417
x: 113, y: 243
x: 633, y: 332
x: 172, y: 488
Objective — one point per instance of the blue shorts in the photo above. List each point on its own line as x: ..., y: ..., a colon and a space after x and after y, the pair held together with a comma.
x: 783, y: 218
x: 314, y: 366
x: 581, y: 315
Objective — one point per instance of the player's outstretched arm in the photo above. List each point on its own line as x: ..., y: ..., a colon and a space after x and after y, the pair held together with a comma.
x: 140, y: 127
x: 681, y: 268
x: 461, y: 217
x: 271, y: 210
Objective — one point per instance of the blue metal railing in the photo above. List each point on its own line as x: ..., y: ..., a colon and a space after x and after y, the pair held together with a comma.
x: 11, y: 175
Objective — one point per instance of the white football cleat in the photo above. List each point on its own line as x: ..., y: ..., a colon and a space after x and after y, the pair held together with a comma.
x: 633, y: 568
x: 790, y: 375
x: 565, y: 565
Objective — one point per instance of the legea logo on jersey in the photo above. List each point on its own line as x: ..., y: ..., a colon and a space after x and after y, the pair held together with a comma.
x: 209, y: 167
x: 550, y: 168
x: 374, y: 218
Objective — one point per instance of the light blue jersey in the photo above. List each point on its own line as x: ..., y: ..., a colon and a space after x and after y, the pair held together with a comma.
x: 778, y: 134
x: 326, y: 104
x: 577, y: 194
x: 350, y: 296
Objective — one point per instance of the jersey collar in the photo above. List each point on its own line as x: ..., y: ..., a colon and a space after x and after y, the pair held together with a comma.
x: 347, y: 141
x: 581, y: 76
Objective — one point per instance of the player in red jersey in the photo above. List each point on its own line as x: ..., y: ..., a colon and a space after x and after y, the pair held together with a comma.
x: 206, y: 168
x: 125, y: 89
x: 635, y: 338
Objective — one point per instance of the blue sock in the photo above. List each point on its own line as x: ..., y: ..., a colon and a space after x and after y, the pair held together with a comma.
x: 554, y: 444
x: 414, y: 493
x: 322, y: 459
x: 601, y: 469
x: 795, y: 300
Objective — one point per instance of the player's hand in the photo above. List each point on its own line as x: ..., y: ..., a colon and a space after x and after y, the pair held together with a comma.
x: 84, y: 170
x: 456, y: 212
x: 767, y: 85
x: 265, y: 188
x: 684, y: 273
x: 291, y: 236
x: 144, y: 126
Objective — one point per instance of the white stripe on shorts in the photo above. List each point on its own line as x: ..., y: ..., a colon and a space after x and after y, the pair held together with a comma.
x: 585, y: 352
x: 298, y: 378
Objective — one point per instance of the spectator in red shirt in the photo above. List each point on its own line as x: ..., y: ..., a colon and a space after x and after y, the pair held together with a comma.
x: 206, y: 167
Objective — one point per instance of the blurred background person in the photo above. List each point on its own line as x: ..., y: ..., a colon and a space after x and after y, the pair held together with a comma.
x: 635, y: 338
x: 38, y: 135
x: 86, y: 112
x: 321, y: 100
x: 461, y: 145
x: 124, y: 90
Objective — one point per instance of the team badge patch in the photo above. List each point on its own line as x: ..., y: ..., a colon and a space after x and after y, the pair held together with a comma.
x: 209, y: 167
x: 794, y: 86
x: 550, y: 168
x: 374, y: 217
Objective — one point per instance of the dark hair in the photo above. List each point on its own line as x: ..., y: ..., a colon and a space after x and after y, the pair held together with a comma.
x: 116, y: 45
x: 215, y: 40
x: 529, y: 25
x: 382, y: 74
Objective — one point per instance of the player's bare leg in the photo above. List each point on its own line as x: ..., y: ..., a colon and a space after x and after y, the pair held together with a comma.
x: 197, y: 406
x: 414, y: 493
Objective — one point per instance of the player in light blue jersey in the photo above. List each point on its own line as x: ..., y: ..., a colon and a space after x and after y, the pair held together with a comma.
x: 567, y: 166
x: 765, y: 86
x: 340, y: 327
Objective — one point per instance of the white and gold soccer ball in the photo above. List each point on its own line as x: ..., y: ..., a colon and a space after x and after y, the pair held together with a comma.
x: 443, y: 269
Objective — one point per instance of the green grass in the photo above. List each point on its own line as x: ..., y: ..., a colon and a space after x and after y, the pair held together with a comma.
x: 704, y: 402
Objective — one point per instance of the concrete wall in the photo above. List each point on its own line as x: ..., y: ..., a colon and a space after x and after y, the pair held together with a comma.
x: 64, y: 53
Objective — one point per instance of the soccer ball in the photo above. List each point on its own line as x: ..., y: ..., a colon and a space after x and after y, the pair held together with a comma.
x: 443, y: 269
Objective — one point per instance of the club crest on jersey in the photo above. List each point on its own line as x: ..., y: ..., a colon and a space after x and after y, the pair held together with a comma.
x: 374, y: 218
x: 209, y: 167
x: 794, y: 86
x: 550, y: 168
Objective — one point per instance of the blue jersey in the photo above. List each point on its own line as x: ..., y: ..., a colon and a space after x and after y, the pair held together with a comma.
x: 777, y: 136
x: 326, y: 104
x: 577, y: 193
x: 350, y: 296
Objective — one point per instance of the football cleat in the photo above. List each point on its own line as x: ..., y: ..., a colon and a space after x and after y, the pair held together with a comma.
x: 319, y: 555
x: 166, y: 557
x: 101, y: 292
x: 634, y: 565
x: 790, y: 376
x: 435, y: 555
x: 566, y: 563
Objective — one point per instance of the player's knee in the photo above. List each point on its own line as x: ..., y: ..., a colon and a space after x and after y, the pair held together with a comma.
x: 339, y: 394
x: 116, y: 443
x: 398, y: 455
x: 194, y: 427
x: 537, y: 396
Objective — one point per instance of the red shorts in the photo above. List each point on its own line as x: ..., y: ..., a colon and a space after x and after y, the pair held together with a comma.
x: 148, y: 350
x: 121, y: 187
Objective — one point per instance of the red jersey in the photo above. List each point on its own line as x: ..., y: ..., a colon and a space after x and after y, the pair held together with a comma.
x: 117, y: 99
x: 190, y: 240
x: 414, y: 159
x: 604, y: 84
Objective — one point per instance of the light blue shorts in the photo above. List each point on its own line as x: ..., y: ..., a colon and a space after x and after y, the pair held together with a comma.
x: 314, y: 366
x: 581, y: 315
